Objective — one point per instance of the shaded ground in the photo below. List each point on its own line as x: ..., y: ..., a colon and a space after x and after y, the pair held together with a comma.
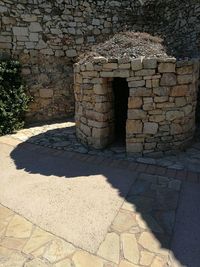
x: 138, y: 234
x: 62, y: 136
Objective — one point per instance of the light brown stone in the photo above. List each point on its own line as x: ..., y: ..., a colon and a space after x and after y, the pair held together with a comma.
x: 130, y: 248
x: 150, y: 128
x: 58, y: 250
x: 36, y: 262
x: 146, y: 258
x: 134, y: 126
x: 168, y: 79
x: 84, y: 259
x: 139, y: 83
x: 125, y: 263
x: 19, y: 228
x: 166, y: 67
x: 13, y: 243
x: 134, y: 102
x: 110, y: 248
x: 174, y: 114
x: 185, y: 70
x: 145, y: 72
x: 185, y: 79
x: 136, y: 114
x: 148, y: 241
x: 159, y: 262
x: 180, y: 90
x: 64, y: 263
x: 123, y: 221
x: 5, y: 212
x: 38, y: 239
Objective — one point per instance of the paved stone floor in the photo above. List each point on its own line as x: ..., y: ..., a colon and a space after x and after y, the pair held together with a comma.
x: 62, y: 136
x: 140, y: 234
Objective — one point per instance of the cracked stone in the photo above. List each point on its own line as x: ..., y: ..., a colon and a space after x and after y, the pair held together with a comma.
x: 84, y: 259
x: 130, y: 248
x: 110, y: 248
x: 58, y: 250
x: 146, y: 258
x: 19, y: 228
x: 124, y: 221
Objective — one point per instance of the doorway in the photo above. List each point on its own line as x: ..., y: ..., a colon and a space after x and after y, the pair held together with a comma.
x: 121, y: 95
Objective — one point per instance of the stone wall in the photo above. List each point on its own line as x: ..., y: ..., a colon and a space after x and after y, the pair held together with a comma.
x: 161, y: 105
x: 47, y: 36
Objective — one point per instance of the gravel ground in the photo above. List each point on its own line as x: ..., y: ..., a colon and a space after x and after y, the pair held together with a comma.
x: 128, y: 44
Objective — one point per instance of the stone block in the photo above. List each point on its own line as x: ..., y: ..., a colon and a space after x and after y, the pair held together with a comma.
x: 161, y: 91
x: 145, y: 72
x: 150, y: 63
x: 85, y: 129
x: 125, y: 66
x: 140, y: 91
x: 5, y: 39
x: 133, y: 126
x: 185, y: 70
x: 179, y: 90
x: 150, y: 128
x: 155, y: 83
x: 107, y: 74
x: 166, y: 67
x: 168, y: 79
x: 121, y: 73
x: 161, y: 99
x: 136, y: 83
x: 174, y: 114
x: 71, y: 53
x: 110, y: 66
x: 134, y: 147
x: 180, y: 101
x: 136, y: 64
x: 100, y: 132
x: 23, y: 31
x: 136, y: 114
x: 185, y: 79
x: 100, y: 89
x: 35, y: 27
x: 187, y: 109
x: 134, y: 102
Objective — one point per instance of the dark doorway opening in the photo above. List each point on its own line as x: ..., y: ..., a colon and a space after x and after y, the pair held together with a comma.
x: 121, y: 94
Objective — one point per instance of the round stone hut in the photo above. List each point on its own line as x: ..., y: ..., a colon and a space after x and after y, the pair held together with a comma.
x: 129, y: 90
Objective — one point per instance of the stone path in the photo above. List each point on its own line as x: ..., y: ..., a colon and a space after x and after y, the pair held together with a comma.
x: 62, y: 136
x: 138, y: 236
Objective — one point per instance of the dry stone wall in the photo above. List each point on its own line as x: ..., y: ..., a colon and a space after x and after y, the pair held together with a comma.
x: 161, y: 104
x: 47, y: 36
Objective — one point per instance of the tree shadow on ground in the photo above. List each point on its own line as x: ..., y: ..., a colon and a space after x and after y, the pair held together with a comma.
x: 154, y: 199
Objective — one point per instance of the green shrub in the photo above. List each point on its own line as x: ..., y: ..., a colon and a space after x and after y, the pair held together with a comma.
x: 13, y: 97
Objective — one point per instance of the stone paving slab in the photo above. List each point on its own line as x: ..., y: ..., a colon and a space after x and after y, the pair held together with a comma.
x: 62, y: 136
x: 139, y: 235
x: 65, y: 196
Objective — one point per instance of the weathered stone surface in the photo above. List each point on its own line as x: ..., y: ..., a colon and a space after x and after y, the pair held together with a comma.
x: 146, y: 258
x: 125, y: 263
x: 134, y: 102
x: 184, y: 79
x: 124, y: 221
x: 150, y: 127
x: 130, y: 248
x: 134, y: 147
x: 180, y: 90
x: 168, y: 79
x: 136, y: 64
x: 150, y: 63
x: 58, y: 250
x: 64, y: 263
x: 35, y: 262
x: 22, y: 31
x: 19, y: 228
x: 166, y: 67
x: 134, y: 126
x: 136, y: 114
x: 172, y: 115
x: 84, y: 259
x: 110, y: 248
x: 149, y: 242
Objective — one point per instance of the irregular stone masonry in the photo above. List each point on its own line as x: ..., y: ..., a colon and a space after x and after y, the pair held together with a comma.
x: 161, y: 104
x: 46, y: 36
